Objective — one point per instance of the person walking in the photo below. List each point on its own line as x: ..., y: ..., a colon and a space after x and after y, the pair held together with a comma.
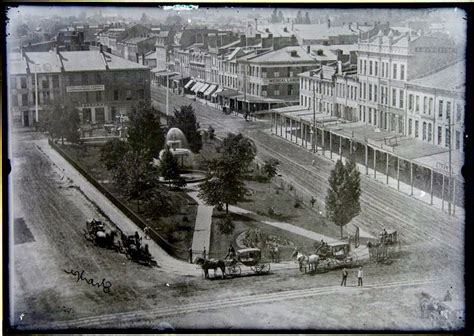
x: 204, y: 253
x: 360, y: 274
x: 344, y: 277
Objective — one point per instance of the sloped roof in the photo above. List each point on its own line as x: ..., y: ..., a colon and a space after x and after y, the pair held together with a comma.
x: 47, y: 61
x: 283, y: 56
x: 452, y: 77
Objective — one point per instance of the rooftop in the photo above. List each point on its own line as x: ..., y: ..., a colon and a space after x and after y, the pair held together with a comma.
x: 285, y: 55
x: 452, y: 77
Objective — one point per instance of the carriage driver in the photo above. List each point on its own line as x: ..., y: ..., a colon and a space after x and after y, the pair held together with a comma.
x: 231, y: 253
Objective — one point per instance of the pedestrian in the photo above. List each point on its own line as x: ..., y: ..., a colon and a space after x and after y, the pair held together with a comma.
x: 204, y: 253
x: 360, y: 274
x: 190, y: 255
x: 313, y: 162
x: 344, y: 277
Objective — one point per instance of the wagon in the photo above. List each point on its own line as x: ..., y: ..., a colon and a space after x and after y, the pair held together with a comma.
x: 250, y: 257
x: 390, y: 239
x: 337, y: 253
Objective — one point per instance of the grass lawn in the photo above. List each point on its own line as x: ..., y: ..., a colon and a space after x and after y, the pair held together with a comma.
x: 177, y: 229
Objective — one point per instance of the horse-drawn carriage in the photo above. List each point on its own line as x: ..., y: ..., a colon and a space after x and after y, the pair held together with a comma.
x: 337, y: 253
x: 250, y: 257
x: 387, y: 245
x: 96, y: 234
x: 136, y: 251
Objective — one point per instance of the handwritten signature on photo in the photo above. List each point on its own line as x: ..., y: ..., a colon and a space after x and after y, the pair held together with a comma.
x: 80, y: 277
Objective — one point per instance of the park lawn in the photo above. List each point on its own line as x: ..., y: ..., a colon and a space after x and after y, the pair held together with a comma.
x: 177, y: 229
x: 264, y: 195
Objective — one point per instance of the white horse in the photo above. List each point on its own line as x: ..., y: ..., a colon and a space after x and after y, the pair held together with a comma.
x: 304, y: 260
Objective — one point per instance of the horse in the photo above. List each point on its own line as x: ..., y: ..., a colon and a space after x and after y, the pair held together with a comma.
x: 207, y: 264
x: 304, y: 260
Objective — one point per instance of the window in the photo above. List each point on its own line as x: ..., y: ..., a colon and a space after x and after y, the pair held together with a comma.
x: 394, y: 97
x: 360, y: 67
x: 447, y: 139
x: 375, y: 117
x: 410, y: 102
x: 448, y: 111
x: 400, y: 124
x: 370, y: 115
x: 430, y: 106
x: 86, y: 115
x: 85, y: 79
x: 55, y: 81
x: 276, y: 92
x: 370, y: 91
x: 99, y: 115
x: 45, y: 83
x: 458, y: 112
x: 290, y: 90
x: 429, y: 132
x: 376, y: 65
x: 395, y: 71
x: 392, y: 123
x: 383, y: 69
x: 23, y: 82
x: 264, y: 73
x: 402, y: 72
x: 264, y: 92
x: 458, y: 139
x: 401, y: 98
x: 416, y: 128
x: 116, y: 94
x: 365, y: 67
x: 24, y: 100
x: 409, y: 126
x: 14, y: 100
x: 276, y: 74
x: 98, y: 96
x: 113, y: 113
x: 87, y: 98
x: 365, y: 91
x: 425, y: 104
x: 46, y: 97
x: 424, y: 131
x: 98, y: 78
x: 417, y: 104
x: 440, y: 109
x: 360, y: 91
x: 370, y: 67
x: 440, y: 135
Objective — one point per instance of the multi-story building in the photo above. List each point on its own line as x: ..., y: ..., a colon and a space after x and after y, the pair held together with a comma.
x: 111, y: 37
x: 134, y: 47
x: 99, y: 84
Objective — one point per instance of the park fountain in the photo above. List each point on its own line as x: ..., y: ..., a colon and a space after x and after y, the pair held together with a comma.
x: 178, y: 144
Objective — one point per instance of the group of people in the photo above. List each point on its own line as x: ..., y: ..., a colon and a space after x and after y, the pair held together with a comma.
x: 360, y: 274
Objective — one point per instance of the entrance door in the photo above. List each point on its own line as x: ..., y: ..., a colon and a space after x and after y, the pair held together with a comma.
x: 86, y: 116
x: 26, y: 118
x: 99, y: 115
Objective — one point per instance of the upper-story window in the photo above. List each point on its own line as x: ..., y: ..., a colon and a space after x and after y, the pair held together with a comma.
x: 23, y: 82
x: 448, y: 111
x: 276, y: 74
x: 394, y: 71
x: 360, y: 66
x: 458, y: 112
x: 425, y: 105
x: 440, y: 109
x: 430, y: 106
x: 365, y: 67
x: 376, y: 67
x: 370, y: 67
x: 85, y: 79
x: 410, y: 102
x: 394, y: 97
x: 417, y: 104
x: 401, y: 98
x: 383, y: 69
x: 45, y: 82
x: 55, y: 81
x: 402, y: 72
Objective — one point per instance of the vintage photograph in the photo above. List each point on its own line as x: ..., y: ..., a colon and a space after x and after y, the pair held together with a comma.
x: 180, y: 167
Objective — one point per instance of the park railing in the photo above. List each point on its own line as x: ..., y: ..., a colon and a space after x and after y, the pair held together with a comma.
x: 152, y: 234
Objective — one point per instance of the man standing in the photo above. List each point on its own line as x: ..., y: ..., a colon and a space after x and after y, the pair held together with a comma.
x: 344, y: 277
x: 360, y: 274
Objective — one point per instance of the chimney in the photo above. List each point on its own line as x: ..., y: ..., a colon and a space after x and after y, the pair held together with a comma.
x: 339, y: 67
x: 138, y: 57
x: 329, y: 23
x: 256, y: 25
x: 100, y: 48
x: 285, y: 30
x: 143, y: 58
x: 242, y: 40
x: 308, y: 49
x: 270, y: 36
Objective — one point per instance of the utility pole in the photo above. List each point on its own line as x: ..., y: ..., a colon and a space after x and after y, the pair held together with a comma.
x: 449, y: 163
x: 36, y: 93
x: 314, y: 119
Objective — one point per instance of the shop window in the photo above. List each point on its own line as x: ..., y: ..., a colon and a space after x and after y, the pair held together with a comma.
x: 99, y: 115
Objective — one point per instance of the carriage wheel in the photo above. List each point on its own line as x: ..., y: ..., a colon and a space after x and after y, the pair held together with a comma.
x: 265, y: 268
x: 259, y: 268
x: 234, y: 270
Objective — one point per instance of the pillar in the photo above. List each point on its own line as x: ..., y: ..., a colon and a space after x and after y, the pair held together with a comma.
x: 301, y: 133
x: 431, y: 186
x: 386, y: 168
x: 350, y: 146
x: 411, y: 177
x: 271, y: 123
x: 366, y: 160
x: 398, y: 173
x: 375, y: 163
x: 322, y: 140
x: 442, y: 195
x: 281, y: 126
x: 340, y: 147
x: 454, y: 196
x: 291, y: 130
x: 330, y: 144
x: 315, y: 139
x: 286, y: 128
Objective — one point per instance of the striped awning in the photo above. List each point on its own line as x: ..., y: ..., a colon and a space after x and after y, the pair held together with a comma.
x: 196, y: 86
x: 210, y: 89
x: 188, y: 84
x: 217, y: 91
x: 203, y: 88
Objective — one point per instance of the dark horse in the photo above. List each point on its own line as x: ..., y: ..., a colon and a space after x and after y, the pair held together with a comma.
x: 207, y: 264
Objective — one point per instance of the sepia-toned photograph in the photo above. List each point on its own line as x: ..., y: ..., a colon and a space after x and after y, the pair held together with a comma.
x: 182, y: 167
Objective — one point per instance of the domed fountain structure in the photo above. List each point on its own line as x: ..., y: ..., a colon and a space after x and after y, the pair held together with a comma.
x: 179, y: 148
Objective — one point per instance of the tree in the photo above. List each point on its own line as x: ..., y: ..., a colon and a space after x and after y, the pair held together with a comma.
x: 112, y: 153
x: 185, y: 120
x: 144, y: 131
x: 342, y: 200
x: 269, y: 168
x: 71, y: 125
x: 169, y: 169
x: 225, y: 176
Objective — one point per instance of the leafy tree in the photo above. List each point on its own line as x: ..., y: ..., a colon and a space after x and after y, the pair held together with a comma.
x: 342, y: 200
x: 169, y: 169
x: 269, y: 168
x: 112, y: 153
x: 144, y: 131
x: 71, y: 125
x: 185, y: 120
x: 226, y: 226
x: 225, y: 176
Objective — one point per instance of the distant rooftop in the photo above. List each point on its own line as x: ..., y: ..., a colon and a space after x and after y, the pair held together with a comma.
x: 452, y: 78
x: 285, y: 55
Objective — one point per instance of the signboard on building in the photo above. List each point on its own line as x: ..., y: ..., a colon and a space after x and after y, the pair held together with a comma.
x: 442, y: 166
x: 85, y: 88
x: 282, y: 80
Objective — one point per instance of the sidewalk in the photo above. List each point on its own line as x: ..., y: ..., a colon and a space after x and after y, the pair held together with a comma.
x: 380, y: 177
x: 202, y: 228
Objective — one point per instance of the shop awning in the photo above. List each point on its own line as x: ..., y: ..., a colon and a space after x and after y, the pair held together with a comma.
x: 188, y: 84
x: 228, y: 93
x: 217, y: 91
x: 196, y: 86
x: 210, y: 89
x: 203, y: 88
